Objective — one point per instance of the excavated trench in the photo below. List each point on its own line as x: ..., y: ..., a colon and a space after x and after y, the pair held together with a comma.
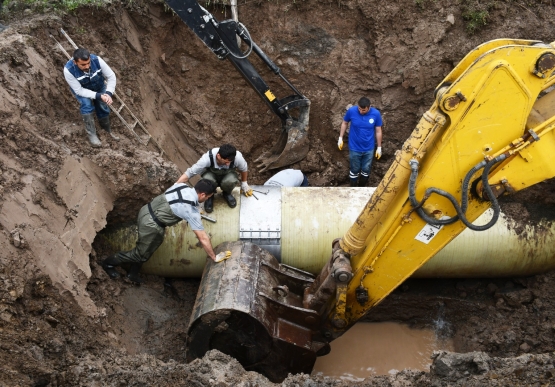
x: 63, y: 322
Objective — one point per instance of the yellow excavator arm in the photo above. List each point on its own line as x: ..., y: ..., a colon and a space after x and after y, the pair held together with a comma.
x: 491, y: 125
x: 488, y: 133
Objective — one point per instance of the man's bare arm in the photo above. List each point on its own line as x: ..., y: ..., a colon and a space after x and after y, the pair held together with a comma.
x: 379, y: 135
x: 343, y: 129
x: 204, y: 240
x: 183, y: 179
x: 244, y: 175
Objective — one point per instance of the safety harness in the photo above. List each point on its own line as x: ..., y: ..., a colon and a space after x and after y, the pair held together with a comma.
x: 178, y: 200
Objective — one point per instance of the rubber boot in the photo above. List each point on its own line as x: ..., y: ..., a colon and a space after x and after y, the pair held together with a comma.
x: 133, y: 273
x: 109, y: 266
x: 209, y: 204
x: 353, y: 182
x: 362, y: 181
x: 105, y: 124
x: 91, y: 130
x: 230, y: 199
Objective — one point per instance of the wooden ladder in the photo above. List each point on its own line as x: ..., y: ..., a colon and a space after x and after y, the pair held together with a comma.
x: 122, y: 105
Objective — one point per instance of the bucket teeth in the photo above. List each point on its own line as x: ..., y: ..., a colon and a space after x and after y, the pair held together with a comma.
x: 291, y: 147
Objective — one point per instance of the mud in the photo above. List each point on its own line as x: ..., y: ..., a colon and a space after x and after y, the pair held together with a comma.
x: 387, y: 347
x: 64, y: 323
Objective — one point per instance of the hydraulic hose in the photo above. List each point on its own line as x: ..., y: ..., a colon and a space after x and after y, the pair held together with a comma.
x: 242, y: 30
x: 490, y: 194
x: 460, y: 209
x: 466, y: 184
x: 418, y: 205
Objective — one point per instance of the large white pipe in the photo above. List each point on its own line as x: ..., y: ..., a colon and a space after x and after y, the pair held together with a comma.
x: 497, y: 252
x: 298, y: 225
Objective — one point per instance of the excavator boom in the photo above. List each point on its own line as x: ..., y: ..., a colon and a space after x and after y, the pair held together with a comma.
x: 488, y: 133
x: 477, y: 142
x: 293, y: 110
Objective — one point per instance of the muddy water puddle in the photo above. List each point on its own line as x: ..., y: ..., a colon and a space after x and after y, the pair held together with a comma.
x: 369, y: 349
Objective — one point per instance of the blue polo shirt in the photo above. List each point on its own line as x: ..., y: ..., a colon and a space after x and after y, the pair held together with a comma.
x: 362, y: 134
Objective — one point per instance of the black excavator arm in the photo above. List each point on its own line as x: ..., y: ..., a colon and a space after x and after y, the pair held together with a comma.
x: 221, y: 39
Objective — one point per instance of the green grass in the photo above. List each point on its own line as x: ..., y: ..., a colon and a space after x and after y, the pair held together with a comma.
x: 476, y: 14
x: 419, y: 3
x: 475, y: 20
x: 59, y: 5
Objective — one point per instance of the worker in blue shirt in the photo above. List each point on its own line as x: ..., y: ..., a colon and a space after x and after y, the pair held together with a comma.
x: 364, y: 134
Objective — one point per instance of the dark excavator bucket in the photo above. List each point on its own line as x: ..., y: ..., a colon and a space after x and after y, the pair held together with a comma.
x: 250, y: 307
x: 292, y: 145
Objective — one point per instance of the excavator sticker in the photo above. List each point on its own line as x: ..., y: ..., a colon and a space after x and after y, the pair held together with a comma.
x: 270, y: 95
x: 428, y: 232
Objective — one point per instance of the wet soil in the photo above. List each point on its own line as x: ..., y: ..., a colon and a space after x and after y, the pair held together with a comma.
x: 64, y: 323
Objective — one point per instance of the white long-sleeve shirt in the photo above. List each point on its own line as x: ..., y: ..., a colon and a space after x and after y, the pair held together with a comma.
x: 107, y: 72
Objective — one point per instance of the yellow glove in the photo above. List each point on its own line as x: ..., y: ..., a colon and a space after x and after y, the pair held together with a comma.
x: 379, y: 152
x: 340, y: 143
x: 222, y: 256
x: 245, y: 189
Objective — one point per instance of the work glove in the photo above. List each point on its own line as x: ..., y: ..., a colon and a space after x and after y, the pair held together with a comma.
x: 246, y: 189
x: 379, y: 152
x: 340, y: 143
x: 222, y: 256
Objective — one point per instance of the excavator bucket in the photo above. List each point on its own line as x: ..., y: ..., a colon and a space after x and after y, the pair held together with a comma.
x: 250, y: 307
x: 292, y: 145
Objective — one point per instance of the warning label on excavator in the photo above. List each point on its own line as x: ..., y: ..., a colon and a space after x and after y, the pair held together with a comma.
x: 428, y: 232
x: 270, y: 95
